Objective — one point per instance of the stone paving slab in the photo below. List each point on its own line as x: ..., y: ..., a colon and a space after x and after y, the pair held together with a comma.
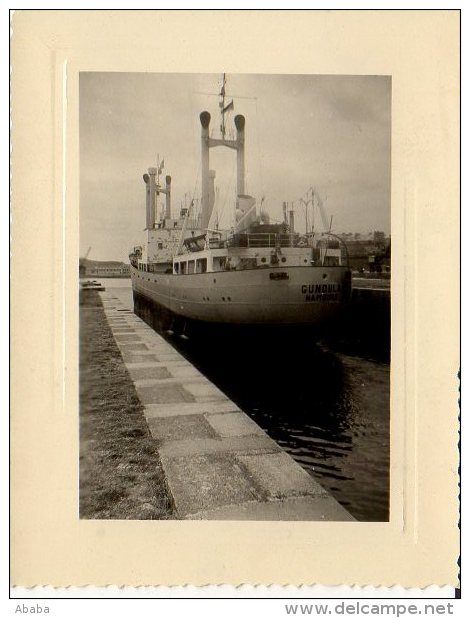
x: 133, y: 347
x: 205, y: 391
x: 185, y: 371
x: 172, y: 428
x: 159, y: 342
x: 141, y: 326
x: 204, y: 446
x: 165, y: 356
x: 163, y: 393
x: 168, y: 381
x: 207, y: 482
x: 167, y: 410
x: 164, y: 349
x: 167, y: 364
x: 142, y: 373
x: 280, y: 476
x: 137, y: 359
x: 308, y: 508
x: 218, y: 463
x: 236, y: 424
x: 121, y: 338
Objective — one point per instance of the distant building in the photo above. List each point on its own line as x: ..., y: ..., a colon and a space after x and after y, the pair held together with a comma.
x: 94, y: 268
x: 367, y: 252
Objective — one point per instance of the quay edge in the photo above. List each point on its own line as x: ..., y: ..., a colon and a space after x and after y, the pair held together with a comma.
x: 218, y: 463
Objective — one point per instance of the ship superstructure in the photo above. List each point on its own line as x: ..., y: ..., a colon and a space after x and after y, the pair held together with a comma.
x: 255, y: 273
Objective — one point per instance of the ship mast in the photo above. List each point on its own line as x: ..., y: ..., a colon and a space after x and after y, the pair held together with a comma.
x: 157, y: 182
x: 207, y: 142
x: 224, y: 109
x: 166, y: 213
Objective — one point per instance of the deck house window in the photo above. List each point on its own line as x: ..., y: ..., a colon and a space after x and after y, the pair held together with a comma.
x: 219, y: 263
x: 201, y: 265
x: 190, y: 267
x: 177, y: 268
x: 183, y: 267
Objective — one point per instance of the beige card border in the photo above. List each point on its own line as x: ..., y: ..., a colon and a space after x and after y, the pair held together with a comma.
x: 50, y: 545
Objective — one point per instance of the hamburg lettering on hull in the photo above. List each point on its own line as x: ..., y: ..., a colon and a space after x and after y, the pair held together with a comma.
x: 321, y: 292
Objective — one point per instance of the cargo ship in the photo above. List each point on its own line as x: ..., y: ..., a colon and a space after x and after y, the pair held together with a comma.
x: 255, y: 274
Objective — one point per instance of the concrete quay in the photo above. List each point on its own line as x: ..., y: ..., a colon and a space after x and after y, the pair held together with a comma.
x: 218, y: 463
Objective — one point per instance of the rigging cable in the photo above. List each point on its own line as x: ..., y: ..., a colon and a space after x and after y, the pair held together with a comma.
x: 262, y: 187
x: 228, y: 188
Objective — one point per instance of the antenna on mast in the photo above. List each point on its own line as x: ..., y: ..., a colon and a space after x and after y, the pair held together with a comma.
x: 224, y: 108
x: 160, y: 166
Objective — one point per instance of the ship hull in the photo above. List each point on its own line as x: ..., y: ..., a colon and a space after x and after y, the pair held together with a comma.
x: 270, y: 297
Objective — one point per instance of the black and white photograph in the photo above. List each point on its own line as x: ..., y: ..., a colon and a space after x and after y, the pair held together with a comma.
x: 225, y: 384
x: 234, y: 296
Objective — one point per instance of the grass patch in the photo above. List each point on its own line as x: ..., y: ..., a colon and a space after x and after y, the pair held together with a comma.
x: 121, y: 476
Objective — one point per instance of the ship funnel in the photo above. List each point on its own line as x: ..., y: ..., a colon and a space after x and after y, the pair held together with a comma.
x: 146, y: 178
x: 168, y: 198
x: 291, y: 221
x: 205, y: 119
x: 284, y: 212
x: 240, y: 126
x: 152, y: 197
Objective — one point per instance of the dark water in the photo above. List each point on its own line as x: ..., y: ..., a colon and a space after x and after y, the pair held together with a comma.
x: 329, y: 410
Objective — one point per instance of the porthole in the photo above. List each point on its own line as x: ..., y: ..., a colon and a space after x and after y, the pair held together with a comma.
x: 263, y: 259
x: 228, y: 298
x: 223, y: 298
x: 305, y: 261
x: 283, y: 259
x: 325, y: 275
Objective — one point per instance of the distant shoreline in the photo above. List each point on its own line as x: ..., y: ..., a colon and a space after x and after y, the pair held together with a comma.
x: 105, y: 276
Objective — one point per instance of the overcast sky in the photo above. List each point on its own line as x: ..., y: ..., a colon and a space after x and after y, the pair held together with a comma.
x: 329, y: 132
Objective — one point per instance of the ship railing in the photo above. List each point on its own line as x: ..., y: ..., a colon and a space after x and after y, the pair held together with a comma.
x: 265, y: 239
